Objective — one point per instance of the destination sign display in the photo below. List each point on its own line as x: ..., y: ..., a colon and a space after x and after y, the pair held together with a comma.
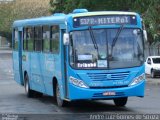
x: 104, y: 20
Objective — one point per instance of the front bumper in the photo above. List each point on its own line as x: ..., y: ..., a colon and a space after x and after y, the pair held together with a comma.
x: 77, y: 93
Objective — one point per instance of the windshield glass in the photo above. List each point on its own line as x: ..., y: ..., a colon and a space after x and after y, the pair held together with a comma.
x: 156, y: 60
x: 124, y: 51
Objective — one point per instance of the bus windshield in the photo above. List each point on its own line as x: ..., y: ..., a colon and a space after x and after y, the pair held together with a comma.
x: 124, y: 51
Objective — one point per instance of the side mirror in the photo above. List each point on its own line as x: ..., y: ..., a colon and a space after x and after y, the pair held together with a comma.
x: 66, y: 39
x: 145, y: 35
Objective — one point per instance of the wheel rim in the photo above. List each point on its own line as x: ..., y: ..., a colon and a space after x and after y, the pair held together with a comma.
x: 59, y: 101
x: 26, y: 85
x: 120, y: 101
x: 152, y: 74
x: 58, y: 92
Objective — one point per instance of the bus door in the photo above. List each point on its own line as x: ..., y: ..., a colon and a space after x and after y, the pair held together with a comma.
x: 65, y: 70
x: 17, y: 55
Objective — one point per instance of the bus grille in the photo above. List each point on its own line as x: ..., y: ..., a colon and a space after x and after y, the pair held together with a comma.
x: 108, y: 76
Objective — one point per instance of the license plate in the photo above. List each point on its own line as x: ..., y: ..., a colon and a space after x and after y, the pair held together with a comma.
x: 111, y: 93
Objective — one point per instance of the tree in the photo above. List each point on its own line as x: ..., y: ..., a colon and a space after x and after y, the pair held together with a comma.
x: 20, y: 9
x: 150, y: 14
x: 91, y: 5
x: 5, y: 19
x: 147, y: 8
x: 57, y: 6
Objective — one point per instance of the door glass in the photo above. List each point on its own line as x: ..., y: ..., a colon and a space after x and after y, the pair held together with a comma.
x: 15, y: 39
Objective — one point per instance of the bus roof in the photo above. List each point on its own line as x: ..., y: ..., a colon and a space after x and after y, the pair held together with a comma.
x: 60, y: 18
x: 40, y: 21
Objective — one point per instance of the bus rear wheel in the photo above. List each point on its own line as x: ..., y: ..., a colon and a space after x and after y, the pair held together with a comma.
x: 29, y: 92
x: 120, y: 102
x: 60, y: 102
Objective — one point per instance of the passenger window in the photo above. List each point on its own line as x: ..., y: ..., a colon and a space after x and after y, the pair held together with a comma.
x: 55, y: 39
x: 29, y: 38
x: 15, y: 45
x: 46, y: 38
x: 38, y: 38
x: 25, y: 42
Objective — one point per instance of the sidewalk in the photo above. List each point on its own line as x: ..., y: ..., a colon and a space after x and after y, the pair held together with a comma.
x: 8, y: 50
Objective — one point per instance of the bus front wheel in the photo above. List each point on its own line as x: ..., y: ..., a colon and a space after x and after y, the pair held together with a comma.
x: 152, y: 74
x: 120, y: 101
x: 60, y: 102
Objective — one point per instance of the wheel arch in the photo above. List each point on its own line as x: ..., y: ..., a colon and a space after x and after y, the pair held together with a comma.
x: 54, y: 83
x: 25, y: 73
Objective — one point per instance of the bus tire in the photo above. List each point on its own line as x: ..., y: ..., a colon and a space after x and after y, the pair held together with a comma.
x: 120, y: 102
x: 38, y: 94
x: 30, y: 93
x: 152, y: 74
x: 60, y: 102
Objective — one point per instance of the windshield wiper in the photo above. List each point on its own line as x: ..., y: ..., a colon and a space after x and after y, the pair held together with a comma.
x: 117, y: 35
x: 93, y: 38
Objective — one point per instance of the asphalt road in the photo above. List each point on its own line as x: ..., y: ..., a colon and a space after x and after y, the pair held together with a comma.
x: 14, y: 100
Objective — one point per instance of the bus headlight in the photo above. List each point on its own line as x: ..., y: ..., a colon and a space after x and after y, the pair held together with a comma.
x: 77, y: 82
x: 138, y: 79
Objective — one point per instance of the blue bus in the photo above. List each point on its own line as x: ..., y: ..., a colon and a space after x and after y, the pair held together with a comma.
x: 82, y: 55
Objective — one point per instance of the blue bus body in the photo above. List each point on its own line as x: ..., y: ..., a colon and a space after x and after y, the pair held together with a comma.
x: 45, y: 67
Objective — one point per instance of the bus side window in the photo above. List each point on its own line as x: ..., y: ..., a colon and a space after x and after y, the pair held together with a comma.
x: 25, y: 45
x: 15, y: 43
x: 46, y: 38
x: 55, y: 39
x: 38, y: 38
x: 29, y: 38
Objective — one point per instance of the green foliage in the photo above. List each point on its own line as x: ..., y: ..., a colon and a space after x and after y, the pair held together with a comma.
x: 5, y: 19
x: 149, y: 10
x: 20, y: 9
x: 30, y: 45
x: 91, y: 5
x: 46, y: 45
x: 57, y: 5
